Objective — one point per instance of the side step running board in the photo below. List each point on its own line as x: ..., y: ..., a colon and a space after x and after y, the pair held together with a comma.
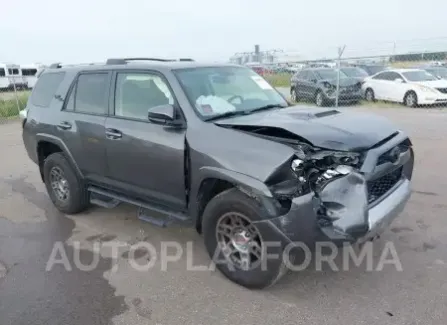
x: 155, y: 214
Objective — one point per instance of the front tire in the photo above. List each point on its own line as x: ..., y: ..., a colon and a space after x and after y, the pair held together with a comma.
x: 67, y: 192
x: 369, y: 95
x: 293, y: 95
x: 320, y: 101
x: 236, y: 245
x: 411, y: 99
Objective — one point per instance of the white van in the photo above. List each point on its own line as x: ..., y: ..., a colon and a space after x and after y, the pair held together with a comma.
x: 10, y: 75
x: 30, y: 73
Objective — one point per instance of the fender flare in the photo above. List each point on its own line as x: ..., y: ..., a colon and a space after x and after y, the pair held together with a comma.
x: 40, y: 137
x: 250, y: 186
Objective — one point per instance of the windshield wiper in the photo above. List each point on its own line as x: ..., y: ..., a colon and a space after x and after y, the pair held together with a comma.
x: 227, y: 114
x: 244, y: 112
x: 265, y: 107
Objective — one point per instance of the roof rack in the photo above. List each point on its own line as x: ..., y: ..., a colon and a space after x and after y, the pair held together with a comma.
x: 126, y: 60
x: 59, y: 65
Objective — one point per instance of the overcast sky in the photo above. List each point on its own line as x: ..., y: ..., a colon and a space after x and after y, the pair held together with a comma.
x: 92, y: 30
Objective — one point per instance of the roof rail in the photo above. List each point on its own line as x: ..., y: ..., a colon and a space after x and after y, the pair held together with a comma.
x: 59, y: 65
x: 125, y: 60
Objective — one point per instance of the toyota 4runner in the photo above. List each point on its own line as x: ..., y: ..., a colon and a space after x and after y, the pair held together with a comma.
x: 217, y: 147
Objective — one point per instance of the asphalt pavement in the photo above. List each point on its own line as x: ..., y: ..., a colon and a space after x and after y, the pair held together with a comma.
x: 41, y: 249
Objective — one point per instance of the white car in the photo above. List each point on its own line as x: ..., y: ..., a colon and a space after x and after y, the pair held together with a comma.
x: 412, y: 87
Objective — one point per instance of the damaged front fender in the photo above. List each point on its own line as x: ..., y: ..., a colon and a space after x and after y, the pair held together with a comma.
x: 337, y: 210
x: 344, y: 205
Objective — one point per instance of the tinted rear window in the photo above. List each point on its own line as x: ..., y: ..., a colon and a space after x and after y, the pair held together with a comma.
x: 45, y: 88
x: 2, y: 72
x: 91, y: 93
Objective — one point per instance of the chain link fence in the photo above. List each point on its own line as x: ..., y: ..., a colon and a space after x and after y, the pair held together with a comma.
x: 386, y: 77
x: 14, y: 92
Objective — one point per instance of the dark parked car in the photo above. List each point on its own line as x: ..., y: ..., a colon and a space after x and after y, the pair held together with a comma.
x: 372, y: 69
x: 438, y: 71
x: 355, y: 72
x: 216, y: 147
x: 320, y: 85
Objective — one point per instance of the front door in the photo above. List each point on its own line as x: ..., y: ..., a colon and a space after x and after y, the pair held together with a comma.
x: 144, y: 158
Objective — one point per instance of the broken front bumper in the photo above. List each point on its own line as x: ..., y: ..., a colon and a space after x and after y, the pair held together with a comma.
x: 359, y: 206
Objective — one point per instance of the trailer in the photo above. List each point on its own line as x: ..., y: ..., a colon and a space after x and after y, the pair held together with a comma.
x: 30, y: 73
x: 11, y: 76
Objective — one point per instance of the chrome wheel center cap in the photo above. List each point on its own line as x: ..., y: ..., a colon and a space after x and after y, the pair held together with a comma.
x: 241, y: 241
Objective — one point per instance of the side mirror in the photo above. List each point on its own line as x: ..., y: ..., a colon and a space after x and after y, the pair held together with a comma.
x: 162, y: 114
x: 399, y: 80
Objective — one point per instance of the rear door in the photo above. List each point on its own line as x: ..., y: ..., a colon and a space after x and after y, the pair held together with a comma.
x: 83, y: 119
x: 145, y: 158
x: 312, y: 84
x: 300, y: 83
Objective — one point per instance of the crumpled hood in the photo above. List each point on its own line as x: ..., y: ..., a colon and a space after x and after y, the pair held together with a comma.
x: 324, y: 128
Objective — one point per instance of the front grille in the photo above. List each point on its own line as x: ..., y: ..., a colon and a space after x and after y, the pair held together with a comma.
x: 442, y: 90
x: 350, y: 89
x: 378, y: 187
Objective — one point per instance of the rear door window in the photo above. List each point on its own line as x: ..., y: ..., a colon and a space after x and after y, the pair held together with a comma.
x: 45, y: 88
x: 91, y: 94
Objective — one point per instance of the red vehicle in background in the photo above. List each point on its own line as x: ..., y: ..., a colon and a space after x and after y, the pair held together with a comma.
x: 259, y: 69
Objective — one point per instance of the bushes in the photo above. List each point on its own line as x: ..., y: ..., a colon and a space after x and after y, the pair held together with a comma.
x: 279, y: 79
x: 8, y: 104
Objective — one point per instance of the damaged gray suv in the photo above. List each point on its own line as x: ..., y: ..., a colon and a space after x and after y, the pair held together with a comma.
x: 215, y: 147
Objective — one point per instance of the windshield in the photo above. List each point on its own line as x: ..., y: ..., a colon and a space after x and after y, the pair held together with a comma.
x: 329, y: 74
x: 354, y: 72
x: 418, y: 75
x: 373, y: 69
x: 440, y: 72
x: 214, y: 91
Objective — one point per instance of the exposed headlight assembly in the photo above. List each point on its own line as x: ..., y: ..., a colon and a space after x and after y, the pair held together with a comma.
x: 311, y: 168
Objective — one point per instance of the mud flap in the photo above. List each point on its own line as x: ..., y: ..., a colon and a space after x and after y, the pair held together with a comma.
x: 345, y: 202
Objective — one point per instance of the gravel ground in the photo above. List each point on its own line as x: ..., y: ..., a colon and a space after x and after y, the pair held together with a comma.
x: 30, y: 227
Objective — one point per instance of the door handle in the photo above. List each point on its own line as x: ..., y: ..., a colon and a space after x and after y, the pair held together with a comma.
x: 113, y: 134
x: 64, y: 125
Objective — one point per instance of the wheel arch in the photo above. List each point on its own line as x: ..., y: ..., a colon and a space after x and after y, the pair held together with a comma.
x: 48, y: 144
x: 409, y: 91
x: 212, y: 181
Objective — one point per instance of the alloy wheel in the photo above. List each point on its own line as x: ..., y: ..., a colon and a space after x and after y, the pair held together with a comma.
x: 410, y: 100
x: 239, y: 240
x: 319, y: 100
x: 293, y: 95
x: 59, y: 184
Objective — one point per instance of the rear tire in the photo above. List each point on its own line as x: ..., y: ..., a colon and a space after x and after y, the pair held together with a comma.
x: 66, y: 190
x: 320, y: 101
x: 411, y: 99
x: 262, y: 272
x: 293, y: 95
x: 369, y: 95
